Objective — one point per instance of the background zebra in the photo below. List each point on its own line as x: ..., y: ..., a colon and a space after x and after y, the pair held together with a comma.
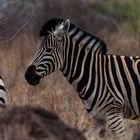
x: 108, y: 85
x: 2, y: 93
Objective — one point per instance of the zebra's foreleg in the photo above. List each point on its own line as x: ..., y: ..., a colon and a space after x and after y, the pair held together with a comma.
x: 116, y: 124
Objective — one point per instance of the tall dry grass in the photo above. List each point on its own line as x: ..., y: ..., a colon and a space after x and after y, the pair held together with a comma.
x: 54, y: 93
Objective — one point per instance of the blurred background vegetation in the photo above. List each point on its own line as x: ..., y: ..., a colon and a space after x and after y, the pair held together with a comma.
x: 117, y: 22
x: 125, y: 12
x: 112, y: 20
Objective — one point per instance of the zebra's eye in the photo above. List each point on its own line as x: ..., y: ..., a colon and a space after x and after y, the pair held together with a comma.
x: 49, y: 50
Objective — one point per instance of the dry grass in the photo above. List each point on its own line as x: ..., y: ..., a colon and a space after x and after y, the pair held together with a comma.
x: 53, y: 93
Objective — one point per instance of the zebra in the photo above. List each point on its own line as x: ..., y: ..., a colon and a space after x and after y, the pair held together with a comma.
x: 2, y: 93
x: 108, y: 85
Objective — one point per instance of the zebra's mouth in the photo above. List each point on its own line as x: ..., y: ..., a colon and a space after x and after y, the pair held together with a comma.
x: 31, y: 77
x: 33, y: 81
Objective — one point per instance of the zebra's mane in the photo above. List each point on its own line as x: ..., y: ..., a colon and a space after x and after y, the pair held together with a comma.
x: 50, y: 26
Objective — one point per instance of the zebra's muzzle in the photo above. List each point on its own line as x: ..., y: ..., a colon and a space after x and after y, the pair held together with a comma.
x: 31, y: 76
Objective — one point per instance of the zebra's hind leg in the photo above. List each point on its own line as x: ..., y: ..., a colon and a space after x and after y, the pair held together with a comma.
x: 116, y: 124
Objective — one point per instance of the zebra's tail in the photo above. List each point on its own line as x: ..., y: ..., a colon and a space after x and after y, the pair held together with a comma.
x: 2, y: 93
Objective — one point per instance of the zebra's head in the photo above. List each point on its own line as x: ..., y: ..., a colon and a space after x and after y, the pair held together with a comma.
x: 49, y: 55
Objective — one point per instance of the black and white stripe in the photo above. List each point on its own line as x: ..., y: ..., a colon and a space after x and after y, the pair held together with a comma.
x: 2, y: 92
x: 108, y: 85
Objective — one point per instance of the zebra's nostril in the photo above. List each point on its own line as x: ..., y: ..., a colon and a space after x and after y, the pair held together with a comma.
x: 31, y: 76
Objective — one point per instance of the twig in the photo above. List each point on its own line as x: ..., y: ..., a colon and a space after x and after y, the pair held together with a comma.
x: 33, y: 12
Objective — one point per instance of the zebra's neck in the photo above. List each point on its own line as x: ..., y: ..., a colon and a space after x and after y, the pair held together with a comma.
x: 82, y: 52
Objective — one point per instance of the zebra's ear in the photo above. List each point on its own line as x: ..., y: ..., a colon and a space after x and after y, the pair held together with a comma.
x: 62, y: 29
